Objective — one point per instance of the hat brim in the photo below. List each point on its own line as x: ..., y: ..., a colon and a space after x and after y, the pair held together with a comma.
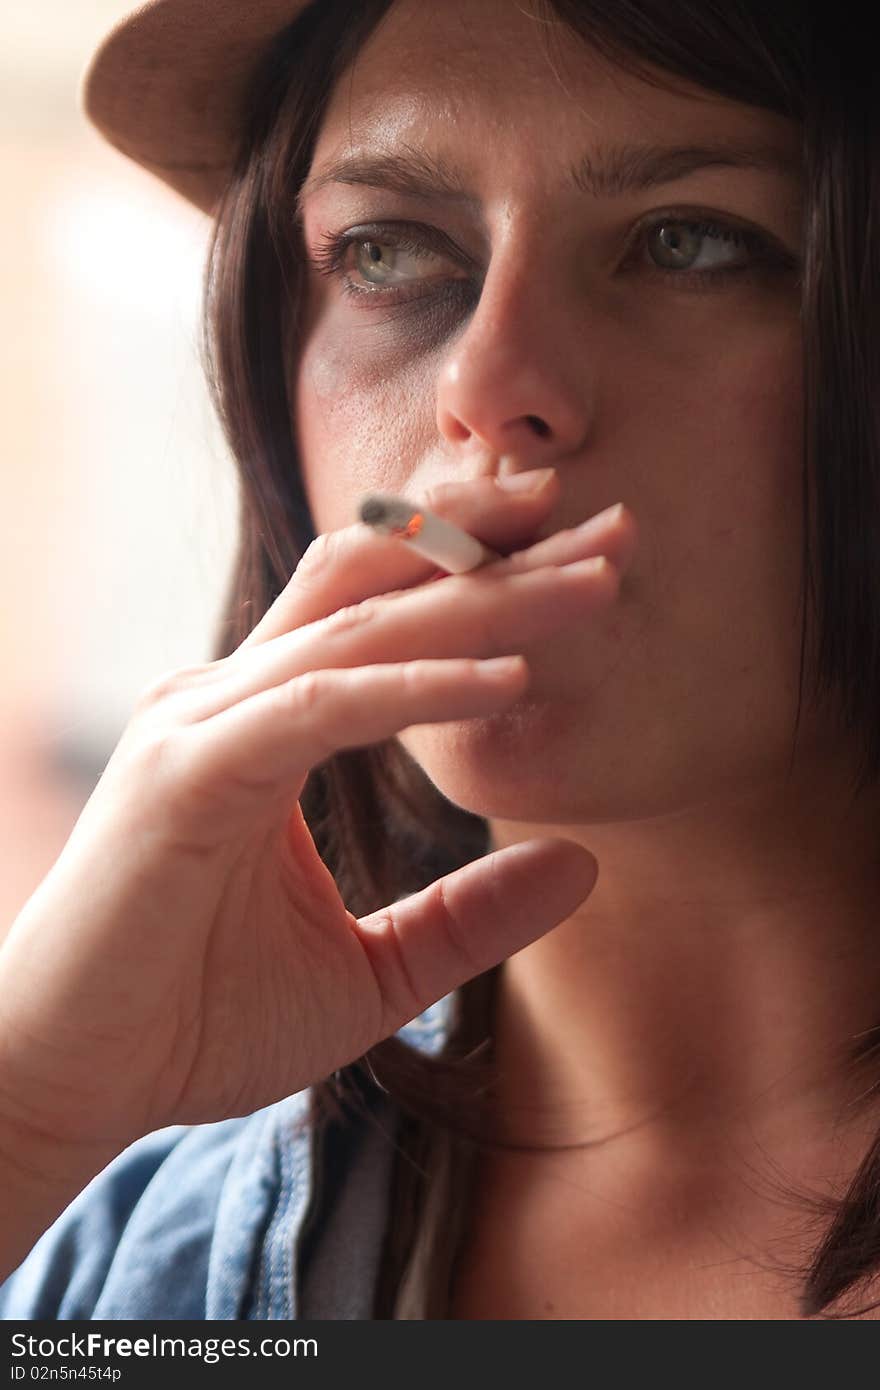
x: 166, y: 86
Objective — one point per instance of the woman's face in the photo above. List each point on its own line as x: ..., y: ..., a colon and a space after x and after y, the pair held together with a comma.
x: 575, y: 324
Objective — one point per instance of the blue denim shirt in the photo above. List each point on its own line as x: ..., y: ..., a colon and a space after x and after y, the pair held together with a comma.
x: 209, y: 1221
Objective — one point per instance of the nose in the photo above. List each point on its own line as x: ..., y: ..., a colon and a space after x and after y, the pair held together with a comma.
x: 518, y: 380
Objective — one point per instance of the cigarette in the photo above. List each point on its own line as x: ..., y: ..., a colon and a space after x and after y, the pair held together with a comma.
x: 446, y: 544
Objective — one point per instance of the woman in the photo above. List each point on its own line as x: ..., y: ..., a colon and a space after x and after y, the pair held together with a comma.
x: 608, y: 1054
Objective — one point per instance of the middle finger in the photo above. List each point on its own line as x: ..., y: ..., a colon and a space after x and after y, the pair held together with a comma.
x: 468, y: 615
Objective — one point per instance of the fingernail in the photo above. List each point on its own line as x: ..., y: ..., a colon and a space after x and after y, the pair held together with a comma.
x: 610, y: 513
x: 532, y: 481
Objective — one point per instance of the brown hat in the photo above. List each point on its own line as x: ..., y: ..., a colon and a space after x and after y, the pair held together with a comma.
x: 166, y: 85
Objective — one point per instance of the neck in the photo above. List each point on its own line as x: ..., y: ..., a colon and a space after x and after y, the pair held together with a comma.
x: 711, y: 988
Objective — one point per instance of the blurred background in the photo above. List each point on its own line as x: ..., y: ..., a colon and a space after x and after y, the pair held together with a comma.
x: 118, y: 498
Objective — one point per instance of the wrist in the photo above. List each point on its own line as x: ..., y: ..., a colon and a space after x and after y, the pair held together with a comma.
x: 44, y: 1160
x: 39, y: 1177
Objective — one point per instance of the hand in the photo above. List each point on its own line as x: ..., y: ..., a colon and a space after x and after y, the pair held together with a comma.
x: 188, y: 957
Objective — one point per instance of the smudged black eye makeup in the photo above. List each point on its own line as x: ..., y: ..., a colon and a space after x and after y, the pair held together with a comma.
x: 387, y: 258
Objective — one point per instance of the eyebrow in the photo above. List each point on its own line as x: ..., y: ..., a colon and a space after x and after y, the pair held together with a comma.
x: 610, y: 173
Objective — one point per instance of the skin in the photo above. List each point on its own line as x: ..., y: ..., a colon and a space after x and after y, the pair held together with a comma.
x: 690, y: 1015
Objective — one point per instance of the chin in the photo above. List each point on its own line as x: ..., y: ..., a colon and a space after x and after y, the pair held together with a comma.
x: 512, y: 765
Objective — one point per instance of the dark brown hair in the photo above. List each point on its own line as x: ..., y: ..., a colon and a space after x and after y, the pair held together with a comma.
x: 379, y: 824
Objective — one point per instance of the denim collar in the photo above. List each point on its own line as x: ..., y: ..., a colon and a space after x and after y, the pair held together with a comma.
x: 253, y: 1270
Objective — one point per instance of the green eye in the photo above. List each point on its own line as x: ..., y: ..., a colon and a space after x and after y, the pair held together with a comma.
x: 678, y: 244
x: 387, y: 257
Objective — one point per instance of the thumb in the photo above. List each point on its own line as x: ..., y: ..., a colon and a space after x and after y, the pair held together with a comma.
x: 428, y: 944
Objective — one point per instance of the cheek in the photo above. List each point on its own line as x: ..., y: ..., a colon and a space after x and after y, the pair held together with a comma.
x: 330, y: 395
x: 753, y: 409
x: 362, y: 421
x: 714, y: 442
x: 754, y: 457
x: 734, y: 502
x: 715, y: 383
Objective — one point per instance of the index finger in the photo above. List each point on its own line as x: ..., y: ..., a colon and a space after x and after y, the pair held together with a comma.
x: 353, y: 563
